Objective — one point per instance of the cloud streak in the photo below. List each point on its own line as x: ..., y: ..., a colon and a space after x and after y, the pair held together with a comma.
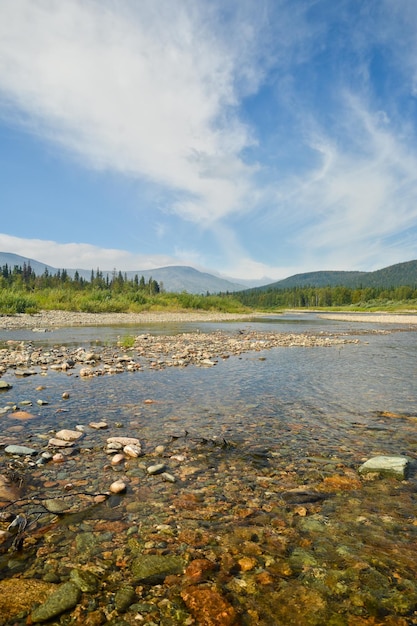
x: 290, y: 124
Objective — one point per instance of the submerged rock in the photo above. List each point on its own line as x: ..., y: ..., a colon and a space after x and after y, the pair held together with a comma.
x: 396, y: 466
x: 20, y: 450
x: 66, y: 597
x: 154, y: 568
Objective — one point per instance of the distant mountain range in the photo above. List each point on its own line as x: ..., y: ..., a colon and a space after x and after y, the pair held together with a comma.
x: 175, y: 279
x: 182, y: 278
x: 391, y: 276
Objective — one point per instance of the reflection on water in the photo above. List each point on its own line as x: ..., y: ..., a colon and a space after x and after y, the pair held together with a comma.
x: 265, y: 449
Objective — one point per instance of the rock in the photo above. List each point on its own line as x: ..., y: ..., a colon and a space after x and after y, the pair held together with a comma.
x: 117, y: 459
x: 169, y: 478
x: 395, y: 466
x: 58, y: 458
x: 208, y: 606
x: 133, y: 450
x: 124, y: 597
x: 60, y: 443
x: 20, y: 450
x: 21, y: 415
x: 159, y: 450
x: 41, y: 402
x: 86, y: 371
x: 199, y: 570
x: 24, y: 373
x: 66, y: 597
x: 69, y: 435
x: 86, y: 581
x: 65, y: 395
x: 154, y: 568
x: 18, y: 595
x: 155, y: 469
x: 98, y: 425
x: 124, y: 441
x: 118, y: 486
x: 5, y: 385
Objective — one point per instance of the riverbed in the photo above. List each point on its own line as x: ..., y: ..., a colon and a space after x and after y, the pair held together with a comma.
x: 258, y: 515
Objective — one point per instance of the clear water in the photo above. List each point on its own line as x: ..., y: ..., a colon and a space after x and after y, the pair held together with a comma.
x: 251, y: 428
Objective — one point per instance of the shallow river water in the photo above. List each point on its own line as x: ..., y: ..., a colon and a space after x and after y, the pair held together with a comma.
x: 268, y: 516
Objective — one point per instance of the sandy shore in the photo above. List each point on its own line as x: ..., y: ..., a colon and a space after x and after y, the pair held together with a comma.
x: 60, y: 319
x: 379, y: 318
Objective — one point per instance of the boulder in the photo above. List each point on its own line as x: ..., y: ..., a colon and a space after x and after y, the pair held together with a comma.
x: 395, y: 466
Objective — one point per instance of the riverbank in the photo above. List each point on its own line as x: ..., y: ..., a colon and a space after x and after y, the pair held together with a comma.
x: 58, y: 319
x: 372, y: 318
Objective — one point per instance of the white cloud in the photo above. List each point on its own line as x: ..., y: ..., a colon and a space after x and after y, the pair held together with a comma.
x: 138, y: 88
x: 82, y: 255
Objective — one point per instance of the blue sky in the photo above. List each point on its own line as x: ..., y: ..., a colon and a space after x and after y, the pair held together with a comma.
x: 249, y: 138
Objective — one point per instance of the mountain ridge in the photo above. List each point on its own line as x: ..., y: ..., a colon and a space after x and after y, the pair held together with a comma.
x: 176, y: 278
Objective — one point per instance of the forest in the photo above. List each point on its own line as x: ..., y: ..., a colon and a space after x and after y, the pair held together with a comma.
x: 22, y: 291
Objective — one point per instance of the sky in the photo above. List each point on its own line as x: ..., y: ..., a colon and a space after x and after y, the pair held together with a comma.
x: 252, y: 139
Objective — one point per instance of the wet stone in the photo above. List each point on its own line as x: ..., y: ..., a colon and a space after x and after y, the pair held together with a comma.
x: 395, y: 466
x: 124, y: 597
x: 4, y: 385
x: 20, y: 450
x: 86, y: 581
x: 154, y: 568
x: 155, y: 469
x: 66, y: 597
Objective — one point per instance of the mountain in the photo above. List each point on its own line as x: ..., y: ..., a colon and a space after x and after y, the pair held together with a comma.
x: 175, y: 279
x: 391, y: 276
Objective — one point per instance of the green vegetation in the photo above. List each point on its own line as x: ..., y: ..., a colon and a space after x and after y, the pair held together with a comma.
x: 21, y: 291
x: 369, y: 298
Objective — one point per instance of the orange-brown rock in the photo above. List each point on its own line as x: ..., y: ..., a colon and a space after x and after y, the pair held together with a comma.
x: 340, y: 483
x: 208, y: 606
x: 199, y: 569
x: 18, y: 595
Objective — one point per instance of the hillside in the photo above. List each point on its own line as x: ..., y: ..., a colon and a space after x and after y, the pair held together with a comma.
x: 391, y: 276
x: 173, y: 279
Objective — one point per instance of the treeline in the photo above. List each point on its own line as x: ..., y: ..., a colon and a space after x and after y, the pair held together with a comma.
x: 25, y: 277
x: 22, y: 291
x: 318, y: 297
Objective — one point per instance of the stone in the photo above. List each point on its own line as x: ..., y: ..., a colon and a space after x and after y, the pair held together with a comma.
x: 21, y: 415
x: 208, y: 606
x: 395, y: 466
x: 20, y: 450
x: 98, y: 425
x: 124, y: 441
x: 65, y: 598
x: 124, y: 597
x: 60, y: 443
x: 18, y: 595
x: 155, y: 469
x: 69, y: 435
x: 117, y: 487
x: 4, y: 385
x: 154, y: 568
x: 41, y: 402
x: 117, y: 459
x: 132, y: 450
x: 169, y: 478
x: 86, y: 581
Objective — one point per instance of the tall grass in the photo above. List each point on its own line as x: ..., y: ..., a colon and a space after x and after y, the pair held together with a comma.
x: 103, y: 301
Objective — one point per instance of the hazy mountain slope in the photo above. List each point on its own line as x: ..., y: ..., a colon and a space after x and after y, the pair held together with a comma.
x: 175, y: 278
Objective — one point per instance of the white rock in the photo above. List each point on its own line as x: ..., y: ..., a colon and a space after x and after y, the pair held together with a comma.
x: 118, y: 486
x: 69, y: 435
x: 98, y: 425
x: 125, y: 441
x: 155, y: 469
x: 132, y: 450
x: 396, y: 466
x: 117, y: 459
